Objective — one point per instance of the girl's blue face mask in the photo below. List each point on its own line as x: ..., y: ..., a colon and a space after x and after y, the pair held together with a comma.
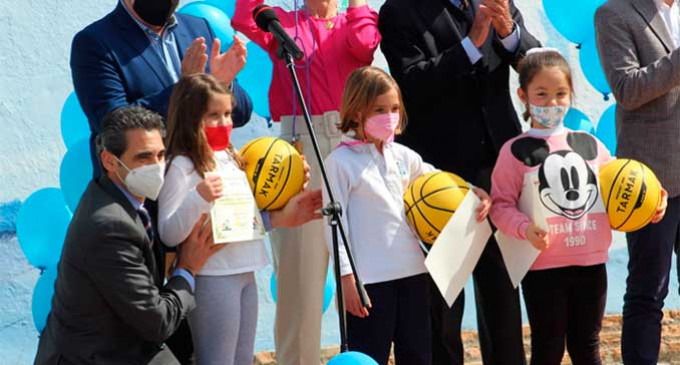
x: 548, y: 116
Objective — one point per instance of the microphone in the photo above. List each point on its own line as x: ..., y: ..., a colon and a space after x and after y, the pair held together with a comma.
x: 267, y: 20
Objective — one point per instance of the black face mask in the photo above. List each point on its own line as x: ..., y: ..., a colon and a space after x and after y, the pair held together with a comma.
x: 155, y: 12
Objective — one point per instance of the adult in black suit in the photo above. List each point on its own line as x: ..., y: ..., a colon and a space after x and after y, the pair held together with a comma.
x: 110, y: 305
x: 452, y: 59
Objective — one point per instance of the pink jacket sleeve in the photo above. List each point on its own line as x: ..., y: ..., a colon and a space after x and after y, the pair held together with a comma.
x: 363, y: 36
x: 506, y: 186
x: 243, y: 22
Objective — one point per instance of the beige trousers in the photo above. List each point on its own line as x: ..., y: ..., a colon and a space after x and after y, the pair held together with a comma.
x: 301, y: 258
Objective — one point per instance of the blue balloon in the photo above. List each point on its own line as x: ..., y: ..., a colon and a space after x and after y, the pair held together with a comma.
x: 576, y: 120
x: 218, y: 20
x: 256, y: 77
x: 592, y: 68
x: 74, y: 125
x: 352, y: 358
x: 41, y: 227
x: 606, y: 129
x: 272, y: 286
x: 574, y: 19
x: 75, y: 172
x: 227, y: 6
x: 328, y: 291
x: 42, y: 297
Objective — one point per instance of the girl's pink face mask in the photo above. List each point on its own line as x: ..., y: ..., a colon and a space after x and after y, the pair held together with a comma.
x: 382, y: 126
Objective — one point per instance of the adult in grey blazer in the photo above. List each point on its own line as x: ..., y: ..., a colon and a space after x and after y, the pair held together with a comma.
x: 110, y: 305
x: 642, y: 65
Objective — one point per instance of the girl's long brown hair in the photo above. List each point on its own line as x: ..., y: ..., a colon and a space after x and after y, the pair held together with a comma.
x: 188, y: 105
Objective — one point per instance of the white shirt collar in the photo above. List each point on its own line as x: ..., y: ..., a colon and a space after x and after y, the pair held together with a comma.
x: 661, y: 5
x: 547, y: 131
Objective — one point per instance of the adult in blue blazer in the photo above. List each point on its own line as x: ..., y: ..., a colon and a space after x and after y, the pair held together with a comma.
x: 135, y: 55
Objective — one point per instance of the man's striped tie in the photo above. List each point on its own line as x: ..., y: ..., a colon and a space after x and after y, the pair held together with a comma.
x: 146, y: 221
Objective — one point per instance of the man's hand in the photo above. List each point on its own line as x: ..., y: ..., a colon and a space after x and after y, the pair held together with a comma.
x: 500, y: 16
x: 225, y: 66
x: 661, y: 209
x: 198, y: 247
x: 299, y: 210
x: 481, y: 26
x: 195, y: 58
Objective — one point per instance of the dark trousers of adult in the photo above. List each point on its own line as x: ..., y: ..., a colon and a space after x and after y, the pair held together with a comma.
x: 180, y: 343
x: 566, y: 304
x: 650, y: 252
x: 499, y: 314
x: 447, y: 346
x: 400, y: 314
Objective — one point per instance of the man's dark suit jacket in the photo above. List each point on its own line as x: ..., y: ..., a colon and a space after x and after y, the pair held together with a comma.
x: 113, y: 65
x: 110, y: 305
x: 459, y: 114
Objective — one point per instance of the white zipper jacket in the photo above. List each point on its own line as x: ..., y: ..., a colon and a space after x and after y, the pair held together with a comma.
x: 370, y: 187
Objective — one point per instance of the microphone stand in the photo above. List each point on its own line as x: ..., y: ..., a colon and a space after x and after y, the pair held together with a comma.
x: 333, y: 211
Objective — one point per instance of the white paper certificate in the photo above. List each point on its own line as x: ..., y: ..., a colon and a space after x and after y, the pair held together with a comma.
x: 235, y: 217
x: 519, y: 255
x: 456, y: 251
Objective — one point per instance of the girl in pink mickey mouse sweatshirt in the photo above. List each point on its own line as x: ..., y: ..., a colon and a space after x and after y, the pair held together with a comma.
x: 566, y: 289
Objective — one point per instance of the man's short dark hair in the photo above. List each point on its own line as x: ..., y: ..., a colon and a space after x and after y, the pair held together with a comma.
x: 115, y: 125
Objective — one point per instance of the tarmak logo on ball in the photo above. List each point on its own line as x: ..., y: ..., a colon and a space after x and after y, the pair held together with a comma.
x: 628, y: 191
x: 273, y: 175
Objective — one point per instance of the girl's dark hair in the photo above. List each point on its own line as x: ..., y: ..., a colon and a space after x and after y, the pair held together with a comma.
x: 535, y: 62
x: 188, y: 105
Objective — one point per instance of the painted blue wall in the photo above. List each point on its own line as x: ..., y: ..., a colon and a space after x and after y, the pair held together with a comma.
x: 35, y: 81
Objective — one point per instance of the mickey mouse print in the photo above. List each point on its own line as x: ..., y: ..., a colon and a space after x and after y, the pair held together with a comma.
x: 560, y: 169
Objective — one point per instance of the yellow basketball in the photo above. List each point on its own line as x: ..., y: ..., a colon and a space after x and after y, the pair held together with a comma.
x: 274, y: 169
x: 430, y: 202
x: 631, y: 193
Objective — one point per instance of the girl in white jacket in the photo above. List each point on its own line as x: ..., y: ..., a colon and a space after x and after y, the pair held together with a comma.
x: 369, y: 174
x: 200, y: 157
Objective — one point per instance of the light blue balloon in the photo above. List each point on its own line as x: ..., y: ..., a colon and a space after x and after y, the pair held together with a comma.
x: 74, y: 125
x: 256, y: 77
x: 41, y: 227
x: 75, y: 172
x: 218, y: 20
x: 576, y: 120
x: 328, y: 291
x: 272, y: 286
x: 574, y: 19
x: 227, y: 6
x: 606, y: 129
x: 41, y: 303
x: 352, y: 358
x: 592, y: 68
